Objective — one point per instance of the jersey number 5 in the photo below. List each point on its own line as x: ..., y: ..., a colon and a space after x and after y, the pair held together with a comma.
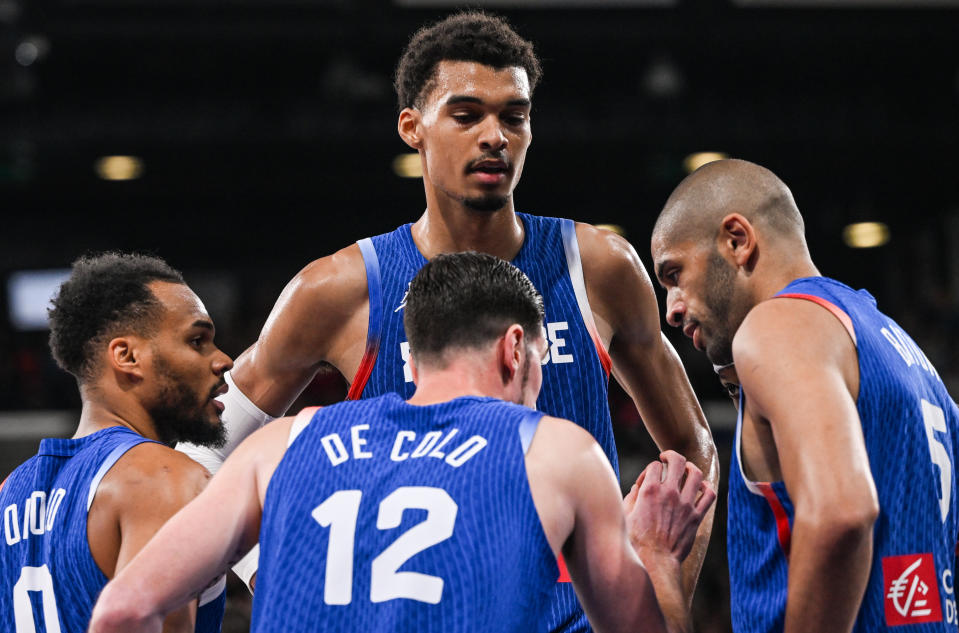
x: 934, y: 420
x: 340, y: 512
x: 35, y: 579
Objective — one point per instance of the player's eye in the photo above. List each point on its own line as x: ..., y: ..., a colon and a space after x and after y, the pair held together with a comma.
x: 515, y: 118
x: 732, y: 390
x: 465, y: 117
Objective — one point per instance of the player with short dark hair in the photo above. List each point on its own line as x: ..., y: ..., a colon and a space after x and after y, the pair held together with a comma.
x: 140, y: 345
x: 842, y: 494
x: 442, y: 513
x: 470, y: 81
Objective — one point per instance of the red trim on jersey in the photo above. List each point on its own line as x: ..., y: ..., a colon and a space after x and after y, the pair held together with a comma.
x: 604, y: 358
x: 782, y: 519
x: 563, y: 572
x: 362, y: 374
x: 4, y: 483
x: 838, y: 312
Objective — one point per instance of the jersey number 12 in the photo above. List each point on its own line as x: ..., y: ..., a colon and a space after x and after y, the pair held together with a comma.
x: 35, y: 579
x: 340, y: 512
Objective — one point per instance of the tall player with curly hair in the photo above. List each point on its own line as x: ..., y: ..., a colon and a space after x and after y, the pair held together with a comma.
x: 465, y: 88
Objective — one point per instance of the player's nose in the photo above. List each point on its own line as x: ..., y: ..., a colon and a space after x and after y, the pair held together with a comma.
x: 675, y: 308
x: 491, y: 136
x: 221, y: 362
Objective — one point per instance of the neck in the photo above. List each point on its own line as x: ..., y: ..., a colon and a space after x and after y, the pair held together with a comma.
x: 448, y: 226
x: 100, y: 413
x: 787, y: 274
x: 466, y: 376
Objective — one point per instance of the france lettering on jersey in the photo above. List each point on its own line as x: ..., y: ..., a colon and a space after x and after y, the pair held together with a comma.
x: 575, y: 376
x: 50, y: 581
x: 384, y: 516
x: 910, y: 425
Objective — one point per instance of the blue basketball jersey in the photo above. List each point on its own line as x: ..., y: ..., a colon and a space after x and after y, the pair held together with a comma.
x: 50, y: 581
x: 910, y: 425
x: 575, y: 375
x: 384, y: 516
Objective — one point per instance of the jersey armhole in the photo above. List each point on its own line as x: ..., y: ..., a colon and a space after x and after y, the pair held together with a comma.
x: 574, y: 264
x: 836, y: 311
x: 375, y: 291
x: 527, y: 428
x: 300, y: 422
x: 109, y: 462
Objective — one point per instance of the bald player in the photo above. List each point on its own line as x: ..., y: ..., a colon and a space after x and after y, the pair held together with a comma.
x: 842, y: 500
x: 465, y: 88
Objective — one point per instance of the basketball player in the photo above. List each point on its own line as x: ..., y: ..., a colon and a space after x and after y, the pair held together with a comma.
x: 842, y: 494
x: 140, y: 345
x: 442, y: 513
x: 465, y: 87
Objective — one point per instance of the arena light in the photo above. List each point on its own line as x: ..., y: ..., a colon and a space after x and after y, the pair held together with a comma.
x: 408, y: 166
x: 865, y: 234
x: 118, y: 167
x: 615, y: 228
x: 698, y: 159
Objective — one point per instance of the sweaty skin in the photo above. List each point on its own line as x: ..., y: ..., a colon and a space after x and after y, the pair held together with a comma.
x: 571, y: 481
x: 795, y: 362
x: 474, y: 112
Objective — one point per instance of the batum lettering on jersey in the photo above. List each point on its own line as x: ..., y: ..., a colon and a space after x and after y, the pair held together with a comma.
x: 911, y: 591
x: 558, y: 351
x: 39, y: 513
x: 907, y: 349
x: 444, y: 445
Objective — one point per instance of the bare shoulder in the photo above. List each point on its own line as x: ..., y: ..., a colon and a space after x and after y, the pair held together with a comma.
x: 786, y: 329
x: 565, y: 449
x: 620, y: 292
x: 331, y: 279
x: 149, y: 479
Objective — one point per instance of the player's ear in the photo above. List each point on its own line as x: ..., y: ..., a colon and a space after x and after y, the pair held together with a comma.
x: 512, y: 350
x: 126, y: 356
x: 408, y: 126
x: 737, y: 237
x: 413, y: 370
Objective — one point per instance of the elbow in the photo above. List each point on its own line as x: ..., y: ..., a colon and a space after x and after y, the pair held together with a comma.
x: 118, y: 611
x: 842, y: 526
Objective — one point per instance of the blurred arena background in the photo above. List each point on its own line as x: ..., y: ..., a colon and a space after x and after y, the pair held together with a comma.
x: 241, y: 139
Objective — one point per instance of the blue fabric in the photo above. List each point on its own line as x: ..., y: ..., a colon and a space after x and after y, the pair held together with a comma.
x: 895, y: 379
x: 476, y: 532
x: 62, y: 473
x: 575, y: 385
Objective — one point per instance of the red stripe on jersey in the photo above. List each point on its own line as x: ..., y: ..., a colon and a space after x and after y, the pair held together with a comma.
x: 363, y: 373
x: 782, y: 519
x: 836, y: 310
x: 604, y: 358
x: 563, y: 572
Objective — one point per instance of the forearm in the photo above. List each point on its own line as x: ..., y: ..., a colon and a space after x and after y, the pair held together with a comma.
x: 828, y: 572
x: 666, y: 575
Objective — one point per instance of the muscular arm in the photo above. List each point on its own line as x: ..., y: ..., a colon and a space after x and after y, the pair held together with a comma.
x: 577, y: 498
x: 320, y: 316
x: 646, y: 365
x: 196, y: 545
x: 140, y: 493
x: 799, y: 371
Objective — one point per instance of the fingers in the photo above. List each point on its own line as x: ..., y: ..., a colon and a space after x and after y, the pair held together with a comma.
x: 707, y: 498
x: 629, y: 502
x: 675, y: 467
x: 651, y: 475
x: 691, y: 487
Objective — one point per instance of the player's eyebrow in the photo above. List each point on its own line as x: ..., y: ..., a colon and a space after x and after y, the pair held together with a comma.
x: 659, y: 266
x: 204, y: 324
x: 455, y: 99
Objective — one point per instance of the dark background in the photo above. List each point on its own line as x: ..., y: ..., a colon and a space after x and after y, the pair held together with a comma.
x: 267, y: 134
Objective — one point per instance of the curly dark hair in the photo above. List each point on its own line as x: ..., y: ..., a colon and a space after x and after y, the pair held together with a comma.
x: 466, y: 300
x: 105, y: 296
x: 469, y: 36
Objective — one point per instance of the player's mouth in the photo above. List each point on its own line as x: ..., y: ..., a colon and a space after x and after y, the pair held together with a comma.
x: 694, y: 331
x: 220, y: 389
x: 489, y: 171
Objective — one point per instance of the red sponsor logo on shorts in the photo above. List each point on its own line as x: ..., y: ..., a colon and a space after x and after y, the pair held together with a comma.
x: 911, y: 591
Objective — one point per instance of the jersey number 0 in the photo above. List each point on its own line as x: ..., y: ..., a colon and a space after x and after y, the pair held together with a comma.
x: 340, y: 512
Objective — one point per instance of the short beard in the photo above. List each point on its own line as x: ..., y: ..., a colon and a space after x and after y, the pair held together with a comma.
x: 486, y: 204
x: 178, y: 416
x: 718, y: 300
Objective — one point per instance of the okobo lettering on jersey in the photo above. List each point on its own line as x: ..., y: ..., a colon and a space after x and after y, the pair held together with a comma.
x: 558, y: 349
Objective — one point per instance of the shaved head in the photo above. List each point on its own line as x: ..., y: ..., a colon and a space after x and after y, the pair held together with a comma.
x: 696, y: 208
